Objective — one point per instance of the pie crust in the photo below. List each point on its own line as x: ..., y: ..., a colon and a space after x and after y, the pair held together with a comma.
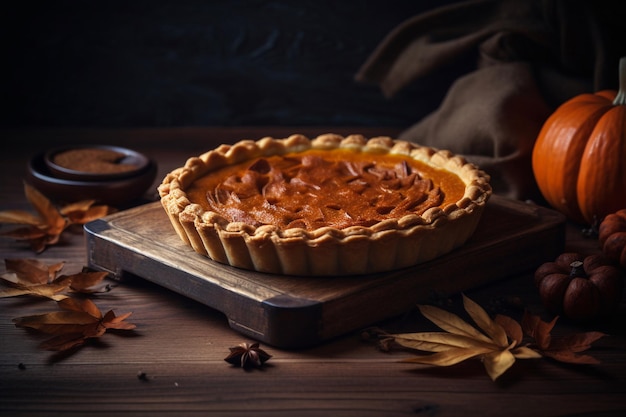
x: 314, y: 249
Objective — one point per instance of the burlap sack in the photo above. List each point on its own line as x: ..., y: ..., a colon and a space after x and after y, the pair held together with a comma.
x: 526, y: 58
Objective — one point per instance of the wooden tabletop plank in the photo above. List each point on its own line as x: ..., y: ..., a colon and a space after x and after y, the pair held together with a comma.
x: 179, y: 344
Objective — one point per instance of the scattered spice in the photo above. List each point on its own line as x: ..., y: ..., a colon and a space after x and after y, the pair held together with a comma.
x: 247, y: 355
x: 142, y: 376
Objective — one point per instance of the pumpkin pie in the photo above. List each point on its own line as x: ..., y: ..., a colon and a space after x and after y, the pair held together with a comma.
x: 331, y: 205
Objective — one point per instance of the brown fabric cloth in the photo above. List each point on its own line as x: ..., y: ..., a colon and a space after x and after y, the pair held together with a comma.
x: 525, y: 57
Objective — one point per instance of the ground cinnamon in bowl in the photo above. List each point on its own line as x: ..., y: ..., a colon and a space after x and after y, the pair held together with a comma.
x: 96, y: 161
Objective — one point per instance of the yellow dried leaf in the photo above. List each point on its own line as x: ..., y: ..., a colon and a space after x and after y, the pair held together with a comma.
x: 439, y: 341
x: 482, y: 319
x: 498, y: 348
x: 497, y: 362
x: 462, y: 341
x: 448, y: 357
x: 524, y: 352
x: 19, y: 217
x: 451, y: 322
x: 511, y: 327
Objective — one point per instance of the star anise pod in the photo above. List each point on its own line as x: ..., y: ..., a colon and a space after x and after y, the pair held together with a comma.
x: 246, y: 355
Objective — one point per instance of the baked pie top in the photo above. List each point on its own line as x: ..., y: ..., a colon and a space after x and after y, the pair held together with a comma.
x: 317, y: 188
x: 332, y: 205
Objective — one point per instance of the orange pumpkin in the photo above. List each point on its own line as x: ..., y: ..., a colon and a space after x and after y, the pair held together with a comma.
x: 579, y: 157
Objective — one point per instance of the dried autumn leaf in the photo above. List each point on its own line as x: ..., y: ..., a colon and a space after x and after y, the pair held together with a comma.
x: 84, y: 282
x: 46, y: 228
x: 53, y: 221
x: 564, y: 349
x: 493, y: 345
x: 512, y: 328
x: 84, y: 211
x: 498, y: 347
x: 77, y: 322
x: 32, y: 277
x: 538, y: 329
x: 33, y: 270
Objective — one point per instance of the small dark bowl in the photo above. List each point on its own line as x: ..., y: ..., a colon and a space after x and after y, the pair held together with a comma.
x: 131, y: 159
x: 112, y: 192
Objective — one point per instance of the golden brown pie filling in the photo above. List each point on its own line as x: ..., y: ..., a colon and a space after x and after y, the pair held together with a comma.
x: 316, y: 188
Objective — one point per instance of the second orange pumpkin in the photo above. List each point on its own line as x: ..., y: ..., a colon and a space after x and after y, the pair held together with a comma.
x: 579, y: 158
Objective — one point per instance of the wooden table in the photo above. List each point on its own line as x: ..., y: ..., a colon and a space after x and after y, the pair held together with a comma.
x: 173, y: 363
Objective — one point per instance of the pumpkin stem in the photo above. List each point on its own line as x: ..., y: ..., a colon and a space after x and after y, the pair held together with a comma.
x: 620, y: 99
x: 577, y: 270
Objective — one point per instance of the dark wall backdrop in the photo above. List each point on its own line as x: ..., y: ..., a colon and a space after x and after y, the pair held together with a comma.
x: 193, y: 63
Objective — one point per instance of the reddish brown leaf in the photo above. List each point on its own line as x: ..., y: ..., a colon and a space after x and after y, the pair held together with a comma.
x: 32, y: 277
x: 577, y: 342
x: 564, y: 349
x: 46, y: 229
x: 33, y: 270
x: 538, y: 329
x: 77, y: 322
x: 511, y: 327
x: 568, y: 356
x: 49, y: 214
x: 83, y: 306
x: 25, y: 233
x: 84, y: 211
x: 53, y: 291
x: 63, y: 342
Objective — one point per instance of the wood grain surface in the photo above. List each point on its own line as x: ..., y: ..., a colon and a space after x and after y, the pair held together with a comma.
x: 173, y: 363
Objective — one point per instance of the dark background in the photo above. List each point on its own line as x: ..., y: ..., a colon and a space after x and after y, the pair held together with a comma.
x: 200, y: 63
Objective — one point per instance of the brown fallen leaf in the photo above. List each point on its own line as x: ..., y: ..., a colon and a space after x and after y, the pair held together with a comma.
x: 33, y: 277
x: 564, y: 349
x: 461, y: 341
x: 84, y: 211
x: 77, y: 322
x: 497, y: 342
x: 46, y: 227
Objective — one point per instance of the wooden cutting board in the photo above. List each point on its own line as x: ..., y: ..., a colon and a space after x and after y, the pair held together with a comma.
x: 296, y: 312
